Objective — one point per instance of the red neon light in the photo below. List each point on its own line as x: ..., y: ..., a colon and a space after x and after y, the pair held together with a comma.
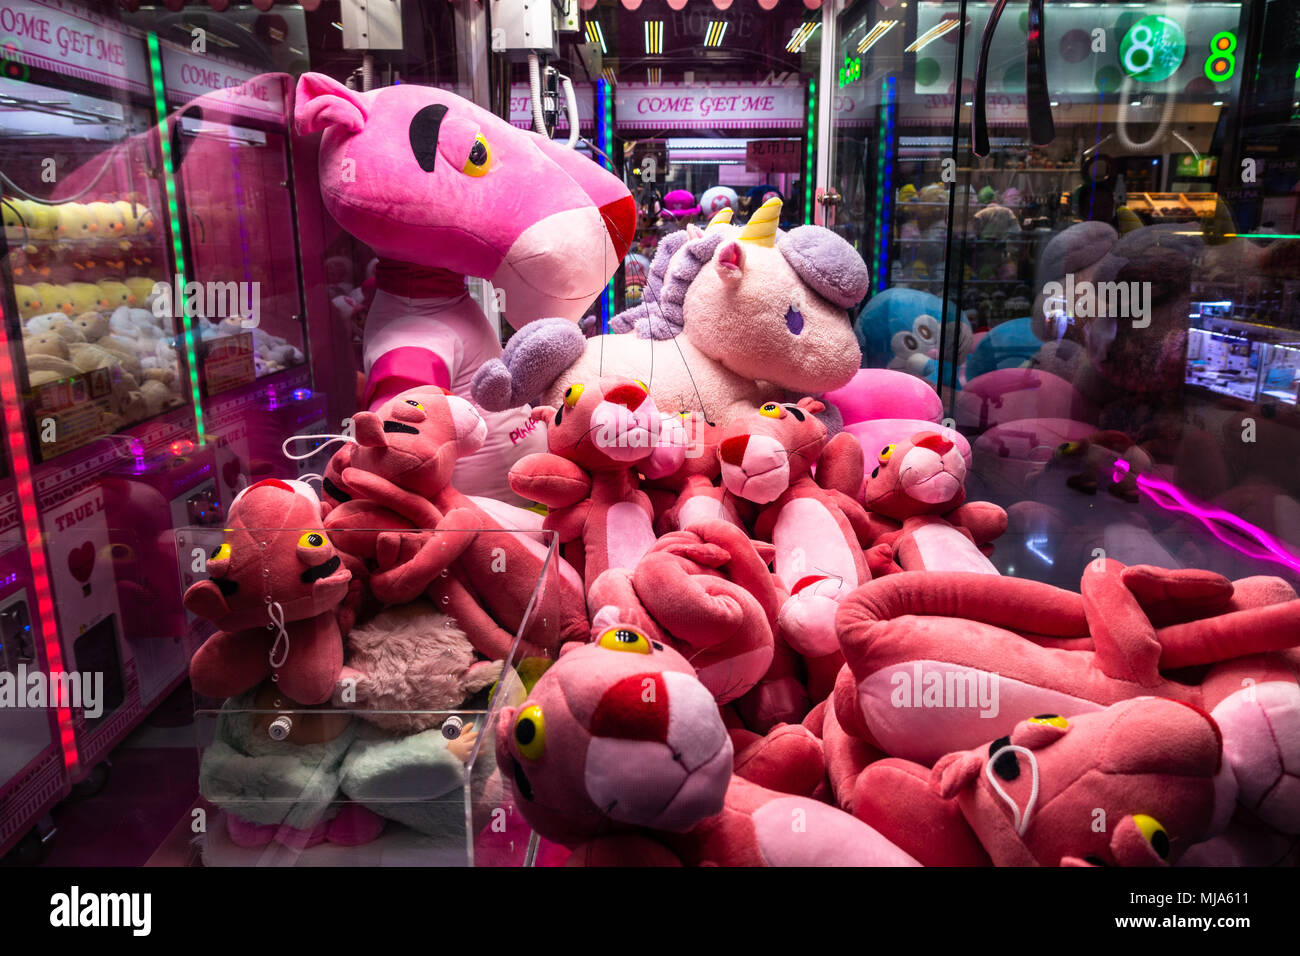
x: 32, y: 532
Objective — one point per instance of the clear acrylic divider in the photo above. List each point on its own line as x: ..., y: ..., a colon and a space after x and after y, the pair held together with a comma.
x: 365, y: 779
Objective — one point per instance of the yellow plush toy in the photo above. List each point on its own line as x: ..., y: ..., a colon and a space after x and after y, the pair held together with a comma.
x: 141, y: 288
x: 108, y: 220
x: 15, y: 220
x: 54, y: 298
x: 87, y: 297
x: 29, y: 301
x: 118, y: 293
x: 75, y: 222
x: 137, y: 220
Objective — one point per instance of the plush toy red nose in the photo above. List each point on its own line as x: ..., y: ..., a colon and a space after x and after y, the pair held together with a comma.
x: 733, y: 449
x: 620, y: 223
x: 635, y: 708
x: 629, y: 396
x: 933, y: 441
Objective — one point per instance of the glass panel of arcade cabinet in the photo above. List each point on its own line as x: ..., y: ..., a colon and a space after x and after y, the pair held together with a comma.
x: 710, y: 109
x: 234, y: 184
x: 1101, y: 408
x: 84, y: 247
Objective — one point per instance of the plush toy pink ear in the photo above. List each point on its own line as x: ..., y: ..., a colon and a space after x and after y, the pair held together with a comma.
x: 205, y: 600
x: 811, y: 405
x: 542, y: 413
x: 730, y: 261
x: 1130, y: 846
x: 322, y: 102
x: 1039, y: 732
x: 954, y: 772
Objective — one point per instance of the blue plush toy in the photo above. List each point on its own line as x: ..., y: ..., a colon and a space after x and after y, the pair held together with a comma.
x: 1010, y: 344
x: 899, y: 328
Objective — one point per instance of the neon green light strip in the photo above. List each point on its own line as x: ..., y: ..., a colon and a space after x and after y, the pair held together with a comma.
x: 174, y: 215
x: 810, y: 153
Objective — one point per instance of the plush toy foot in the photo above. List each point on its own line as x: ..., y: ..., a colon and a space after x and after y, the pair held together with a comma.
x: 300, y: 840
x: 531, y: 360
x: 248, y: 834
x: 354, y: 826
x: 788, y: 759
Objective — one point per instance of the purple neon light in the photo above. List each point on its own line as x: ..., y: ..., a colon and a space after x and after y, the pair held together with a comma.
x: 1213, y: 519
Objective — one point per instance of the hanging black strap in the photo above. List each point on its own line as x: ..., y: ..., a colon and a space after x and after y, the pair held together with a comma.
x: 1039, y: 107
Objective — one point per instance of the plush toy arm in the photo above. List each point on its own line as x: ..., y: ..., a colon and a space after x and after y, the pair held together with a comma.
x: 404, y: 575
x: 568, y: 522
x: 983, y: 519
x: 533, y: 358
x: 417, y: 510
x: 1122, y: 634
x: 230, y: 663
x: 864, y: 527
x: 550, y: 480
x: 841, y: 465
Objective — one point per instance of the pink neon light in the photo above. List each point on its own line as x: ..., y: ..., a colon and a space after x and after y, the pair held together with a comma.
x: 1176, y: 500
x: 32, y: 532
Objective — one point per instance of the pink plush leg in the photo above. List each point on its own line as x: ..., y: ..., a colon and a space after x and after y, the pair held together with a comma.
x: 451, y: 597
x: 779, y: 697
x: 247, y: 834
x: 301, y: 839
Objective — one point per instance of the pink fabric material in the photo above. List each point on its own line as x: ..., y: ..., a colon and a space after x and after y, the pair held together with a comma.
x: 401, y: 369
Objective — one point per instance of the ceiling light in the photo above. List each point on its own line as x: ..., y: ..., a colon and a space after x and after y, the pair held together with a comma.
x: 875, y: 33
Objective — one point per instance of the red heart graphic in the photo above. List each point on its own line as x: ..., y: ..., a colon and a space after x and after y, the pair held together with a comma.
x: 81, y: 561
x: 231, y: 472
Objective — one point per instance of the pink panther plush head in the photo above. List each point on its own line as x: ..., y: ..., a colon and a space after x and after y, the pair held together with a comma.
x: 609, y: 424
x: 424, y: 176
x: 924, y: 475
x: 617, y: 734
x: 765, y: 452
x: 1153, y: 766
x: 274, y: 539
x: 415, y: 438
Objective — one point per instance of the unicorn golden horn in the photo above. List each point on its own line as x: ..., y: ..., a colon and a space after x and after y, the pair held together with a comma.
x: 721, y: 218
x: 761, y: 228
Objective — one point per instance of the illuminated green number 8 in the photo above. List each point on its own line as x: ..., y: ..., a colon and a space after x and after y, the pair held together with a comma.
x: 1221, y: 64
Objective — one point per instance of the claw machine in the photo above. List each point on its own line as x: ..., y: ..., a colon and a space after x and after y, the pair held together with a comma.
x: 105, y: 440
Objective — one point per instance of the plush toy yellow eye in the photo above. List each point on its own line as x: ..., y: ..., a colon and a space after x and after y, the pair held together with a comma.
x: 644, y: 387
x: 1154, y: 832
x: 770, y: 410
x: 222, y: 553
x: 572, y: 394
x: 886, y: 453
x: 480, y: 158
x: 624, y: 639
x: 312, y: 539
x: 1052, y: 720
x: 414, y: 404
x: 530, y: 733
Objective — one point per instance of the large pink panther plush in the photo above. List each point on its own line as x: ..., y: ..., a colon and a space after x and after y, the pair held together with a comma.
x: 768, y: 458
x: 479, y: 560
x: 1150, y: 771
x: 731, y: 317
x: 620, y: 755
x: 441, y: 189
x: 940, y: 662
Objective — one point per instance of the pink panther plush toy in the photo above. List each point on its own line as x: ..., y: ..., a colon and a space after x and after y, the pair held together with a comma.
x: 619, y: 754
x: 441, y: 189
